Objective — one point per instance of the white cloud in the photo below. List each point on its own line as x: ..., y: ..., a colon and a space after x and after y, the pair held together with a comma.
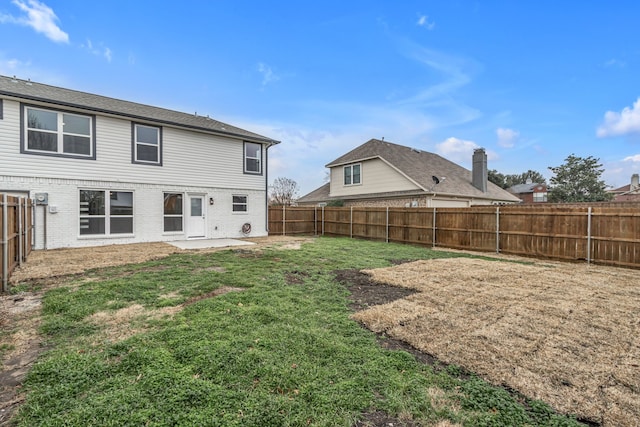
x: 99, y: 50
x: 461, y: 151
x: 615, y: 63
x: 634, y: 158
x: 40, y: 17
x: 423, y: 21
x: 268, y: 76
x: 625, y: 122
x: 507, y: 138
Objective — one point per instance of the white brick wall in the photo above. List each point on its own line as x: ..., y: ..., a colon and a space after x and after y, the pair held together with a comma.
x: 62, y: 228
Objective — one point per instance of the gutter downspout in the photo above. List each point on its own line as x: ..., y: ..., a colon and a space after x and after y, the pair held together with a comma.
x: 266, y: 184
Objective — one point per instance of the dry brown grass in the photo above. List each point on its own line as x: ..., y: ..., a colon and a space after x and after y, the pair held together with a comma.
x: 563, y: 333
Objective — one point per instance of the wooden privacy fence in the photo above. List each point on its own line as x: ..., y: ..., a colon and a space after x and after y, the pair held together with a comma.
x: 605, y: 234
x: 16, y: 230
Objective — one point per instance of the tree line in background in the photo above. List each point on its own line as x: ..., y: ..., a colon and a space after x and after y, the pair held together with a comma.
x: 578, y: 179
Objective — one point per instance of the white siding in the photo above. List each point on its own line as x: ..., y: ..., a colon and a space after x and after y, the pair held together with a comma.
x: 193, y: 162
x: 189, y: 158
x: 376, y: 177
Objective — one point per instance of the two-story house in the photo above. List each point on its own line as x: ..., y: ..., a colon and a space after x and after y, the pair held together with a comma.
x: 106, y: 171
x: 380, y: 173
x: 530, y: 192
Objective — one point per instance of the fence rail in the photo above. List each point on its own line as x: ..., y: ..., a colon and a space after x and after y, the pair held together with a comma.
x: 600, y: 233
x: 16, y: 234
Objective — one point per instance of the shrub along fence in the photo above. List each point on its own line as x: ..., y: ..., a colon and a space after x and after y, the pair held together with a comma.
x: 16, y: 231
x: 600, y: 233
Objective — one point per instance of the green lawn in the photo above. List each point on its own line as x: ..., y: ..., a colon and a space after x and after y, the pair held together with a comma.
x: 275, y: 354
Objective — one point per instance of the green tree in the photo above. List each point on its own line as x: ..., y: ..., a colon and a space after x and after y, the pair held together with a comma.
x: 496, y: 177
x: 578, y: 180
x: 509, y: 180
x: 515, y: 179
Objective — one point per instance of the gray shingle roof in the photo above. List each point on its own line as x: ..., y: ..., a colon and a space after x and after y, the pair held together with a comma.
x: 38, y: 92
x: 522, y: 188
x: 420, y: 166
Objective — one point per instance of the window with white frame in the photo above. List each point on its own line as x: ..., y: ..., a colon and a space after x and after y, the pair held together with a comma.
x: 252, y: 158
x: 239, y: 203
x: 146, y: 144
x: 59, y: 133
x: 106, y: 212
x: 173, y: 212
x: 352, y: 174
x: 539, y: 197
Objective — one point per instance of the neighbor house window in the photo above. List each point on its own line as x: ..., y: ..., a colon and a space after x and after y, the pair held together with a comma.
x: 146, y: 144
x: 239, y: 203
x: 59, y: 133
x: 252, y: 158
x: 539, y: 197
x: 173, y: 208
x: 106, y: 212
x: 352, y: 174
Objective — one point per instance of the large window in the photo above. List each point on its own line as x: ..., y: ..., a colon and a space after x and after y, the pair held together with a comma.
x: 173, y: 208
x: 239, y: 203
x: 146, y: 144
x: 106, y: 212
x: 58, y: 133
x: 252, y: 158
x: 352, y: 174
x: 539, y: 197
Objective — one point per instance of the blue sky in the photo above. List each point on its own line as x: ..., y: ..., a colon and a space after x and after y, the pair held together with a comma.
x: 530, y: 81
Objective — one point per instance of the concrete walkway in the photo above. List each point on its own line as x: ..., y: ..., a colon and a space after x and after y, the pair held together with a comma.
x: 209, y: 243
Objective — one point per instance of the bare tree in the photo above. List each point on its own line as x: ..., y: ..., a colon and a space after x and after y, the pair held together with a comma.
x: 284, y: 191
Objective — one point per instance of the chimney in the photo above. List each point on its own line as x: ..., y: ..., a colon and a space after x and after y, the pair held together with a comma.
x: 635, y: 184
x: 479, y: 171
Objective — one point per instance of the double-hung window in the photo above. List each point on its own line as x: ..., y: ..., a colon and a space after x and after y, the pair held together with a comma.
x: 146, y: 144
x: 173, y: 208
x: 239, y: 203
x: 58, y: 133
x: 106, y: 212
x: 352, y: 175
x: 252, y: 158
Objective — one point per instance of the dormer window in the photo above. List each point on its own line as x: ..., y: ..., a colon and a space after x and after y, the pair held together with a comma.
x: 352, y: 174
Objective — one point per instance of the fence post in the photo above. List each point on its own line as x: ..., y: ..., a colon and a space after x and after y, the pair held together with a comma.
x: 20, y: 233
x: 433, y: 233
x: 387, y: 224
x: 589, y: 236
x: 323, y: 220
x: 5, y: 244
x: 315, y: 220
x: 351, y: 223
x: 498, y: 229
x: 284, y: 222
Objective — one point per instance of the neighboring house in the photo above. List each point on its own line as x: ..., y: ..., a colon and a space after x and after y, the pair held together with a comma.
x: 530, y: 192
x: 106, y: 171
x: 380, y: 173
x: 629, y: 192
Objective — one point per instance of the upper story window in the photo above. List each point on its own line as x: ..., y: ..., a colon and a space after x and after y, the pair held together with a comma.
x: 352, y: 175
x: 146, y: 144
x: 58, y: 133
x: 252, y: 158
x: 539, y: 197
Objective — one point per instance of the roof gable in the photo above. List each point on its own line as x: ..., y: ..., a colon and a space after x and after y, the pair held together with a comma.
x: 420, y: 167
x: 38, y: 92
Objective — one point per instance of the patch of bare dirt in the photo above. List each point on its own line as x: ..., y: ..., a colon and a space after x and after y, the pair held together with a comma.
x: 20, y: 314
x: 563, y: 333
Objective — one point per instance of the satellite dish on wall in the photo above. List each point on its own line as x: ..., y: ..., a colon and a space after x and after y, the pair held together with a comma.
x: 435, y: 179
